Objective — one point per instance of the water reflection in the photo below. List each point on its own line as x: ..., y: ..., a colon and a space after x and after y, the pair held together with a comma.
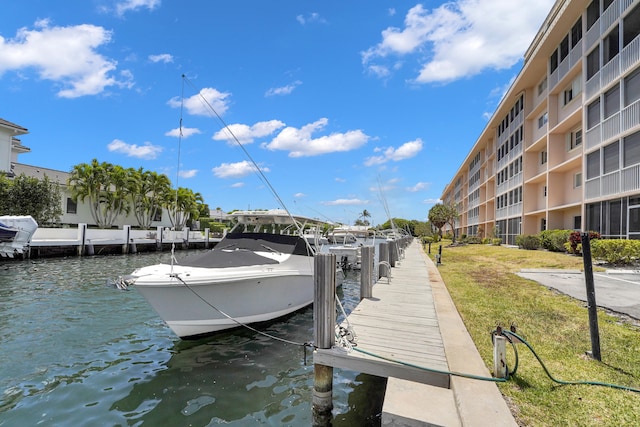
x: 76, y: 352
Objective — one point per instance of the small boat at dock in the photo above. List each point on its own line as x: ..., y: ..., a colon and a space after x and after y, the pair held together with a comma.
x: 261, y: 270
x: 15, y: 234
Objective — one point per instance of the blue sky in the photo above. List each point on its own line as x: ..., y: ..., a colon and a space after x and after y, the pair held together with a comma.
x: 342, y: 104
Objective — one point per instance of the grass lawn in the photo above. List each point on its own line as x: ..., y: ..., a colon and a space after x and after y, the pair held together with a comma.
x: 482, y: 282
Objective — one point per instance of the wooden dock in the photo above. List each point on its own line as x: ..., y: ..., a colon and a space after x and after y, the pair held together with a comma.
x: 399, y: 324
x: 412, y: 323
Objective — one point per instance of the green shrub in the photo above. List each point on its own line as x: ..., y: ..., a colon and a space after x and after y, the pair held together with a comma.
x: 616, y: 251
x: 528, y: 241
x: 485, y: 240
x: 574, y: 245
x: 473, y: 240
x: 496, y: 241
x: 554, y: 240
x: 212, y: 225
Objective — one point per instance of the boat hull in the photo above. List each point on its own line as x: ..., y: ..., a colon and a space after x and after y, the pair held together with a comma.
x: 192, y: 308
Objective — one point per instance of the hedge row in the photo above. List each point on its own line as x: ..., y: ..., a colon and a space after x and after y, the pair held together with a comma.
x: 611, y: 251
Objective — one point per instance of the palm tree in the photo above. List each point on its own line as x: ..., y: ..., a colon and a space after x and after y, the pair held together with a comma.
x: 182, y: 206
x: 105, y: 186
x: 364, y: 215
x: 147, y: 191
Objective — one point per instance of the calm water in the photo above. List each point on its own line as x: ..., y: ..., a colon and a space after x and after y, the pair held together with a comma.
x: 77, y: 352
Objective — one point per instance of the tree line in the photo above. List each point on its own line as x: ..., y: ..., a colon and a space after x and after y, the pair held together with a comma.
x: 110, y: 192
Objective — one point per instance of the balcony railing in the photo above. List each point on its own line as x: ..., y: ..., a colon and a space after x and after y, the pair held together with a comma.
x: 627, y: 179
x: 630, y: 116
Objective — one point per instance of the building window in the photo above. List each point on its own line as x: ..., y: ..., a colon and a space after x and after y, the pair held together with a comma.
x: 577, y: 223
x: 577, y: 180
x: 611, y: 45
x: 573, y: 91
x: 72, y: 207
x: 543, y: 157
x: 631, y: 150
x: 553, y: 61
x: 542, y: 120
x: 631, y: 26
x: 611, y: 158
x: 593, y: 13
x: 576, y: 33
x: 543, y: 224
x: 564, y: 48
x: 593, y: 62
x: 593, y: 114
x: 158, y: 215
x: 612, y: 101
x: 574, y: 139
x: 593, y: 165
x: 544, y: 191
x: 632, y: 88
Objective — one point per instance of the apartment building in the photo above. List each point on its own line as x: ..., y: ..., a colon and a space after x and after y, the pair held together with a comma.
x: 562, y: 150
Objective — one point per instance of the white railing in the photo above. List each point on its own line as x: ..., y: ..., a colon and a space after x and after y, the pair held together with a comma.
x: 631, y: 178
x: 554, y: 78
x: 515, y: 209
x: 610, y: 127
x: 593, y: 85
x: 630, y: 116
x: 82, y: 235
x: 610, y: 184
x: 610, y: 71
x: 593, y: 137
x: 593, y: 35
x: 574, y: 56
x: 630, y: 55
x: 610, y: 15
x: 592, y: 188
x: 509, y: 184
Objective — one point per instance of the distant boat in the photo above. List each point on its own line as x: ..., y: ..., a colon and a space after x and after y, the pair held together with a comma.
x: 15, y: 234
x: 314, y: 237
x: 7, y: 234
x: 254, y: 274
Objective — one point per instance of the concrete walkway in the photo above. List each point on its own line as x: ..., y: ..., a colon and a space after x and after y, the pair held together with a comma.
x: 616, y: 290
x: 468, y: 402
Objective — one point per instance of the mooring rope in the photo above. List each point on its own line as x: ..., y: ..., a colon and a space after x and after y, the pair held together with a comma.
x: 239, y: 323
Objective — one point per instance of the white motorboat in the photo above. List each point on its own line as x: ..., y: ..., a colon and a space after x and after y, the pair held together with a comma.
x: 15, y: 234
x: 251, y: 276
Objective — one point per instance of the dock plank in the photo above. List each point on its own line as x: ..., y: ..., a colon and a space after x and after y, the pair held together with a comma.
x: 398, y: 323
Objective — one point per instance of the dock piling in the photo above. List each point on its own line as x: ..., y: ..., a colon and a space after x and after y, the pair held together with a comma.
x: 366, y: 272
x: 324, y: 320
x: 383, y: 259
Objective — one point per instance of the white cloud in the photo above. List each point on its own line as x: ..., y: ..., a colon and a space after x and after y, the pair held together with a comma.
x: 237, y: 185
x: 420, y: 186
x: 460, y: 38
x: 431, y: 201
x: 298, y: 195
x: 65, y: 55
x: 163, y: 57
x: 284, y: 90
x: 131, y: 5
x: 346, y: 202
x: 405, y: 151
x: 197, y: 106
x: 186, y: 132
x: 311, y: 17
x: 299, y: 142
x: 247, y: 134
x: 340, y: 180
x: 236, y: 170
x: 188, y: 173
x: 146, y: 151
